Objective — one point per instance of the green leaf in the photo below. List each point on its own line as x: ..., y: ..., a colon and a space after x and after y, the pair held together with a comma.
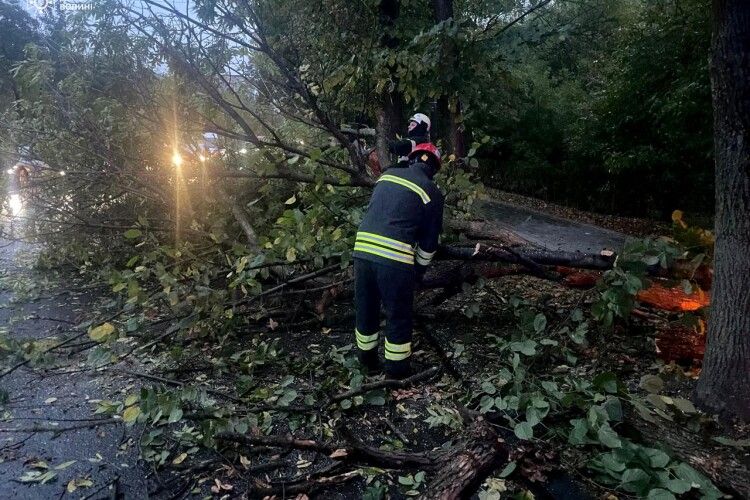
x: 486, y: 403
x: 346, y: 404
x: 489, y: 387
x: 101, y: 332
x: 540, y: 323
x: 551, y: 387
x: 533, y: 415
x: 131, y: 234
x: 651, y: 260
x: 684, y: 405
x: 579, y: 434
x: 684, y: 471
x: 131, y: 414
x: 376, y: 400
x: 608, y: 437
x: 374, y: 492
x: 291, y: 254
x: 35, y: 476
x: 288, y: 396
x: 175, y: 415
x: 606, y: 382
x: 678, y: 486
x: 651, y: 383
x: 657, y: 458
x: 523, y: 430
x: 508, y: 470
x: 612, y: 462
x: 527, y: 347
x: 501, y: 403
x: 635, y: 480
x: 406, y: 480
x: 613, y: 407
x: 660, y: 494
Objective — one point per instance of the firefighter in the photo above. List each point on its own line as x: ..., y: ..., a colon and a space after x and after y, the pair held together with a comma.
x: 418, y: 133
x: 419, y: 128
x: 395, y: 243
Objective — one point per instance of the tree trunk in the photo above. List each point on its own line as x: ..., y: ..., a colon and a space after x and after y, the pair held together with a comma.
x: 723, y: 385
x: 390, y: 114
x: 448, y: 116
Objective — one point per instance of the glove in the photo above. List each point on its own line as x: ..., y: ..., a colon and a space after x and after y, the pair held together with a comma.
x: 400, y: 148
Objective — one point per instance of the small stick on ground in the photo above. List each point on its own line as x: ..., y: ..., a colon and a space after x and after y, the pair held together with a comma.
x: 387, y: 383
x: 395, y: 430
x: 176, y: 383
x: 260, y: 489
x: 52, y: 428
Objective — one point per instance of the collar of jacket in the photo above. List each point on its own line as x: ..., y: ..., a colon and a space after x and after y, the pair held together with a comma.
x: 425, y: 169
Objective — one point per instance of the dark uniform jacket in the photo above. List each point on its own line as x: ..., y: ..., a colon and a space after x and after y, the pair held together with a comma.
x: 403, y: 220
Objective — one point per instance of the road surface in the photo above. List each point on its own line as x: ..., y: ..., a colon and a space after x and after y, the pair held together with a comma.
x: 552, y: 232
x: 32, y: 401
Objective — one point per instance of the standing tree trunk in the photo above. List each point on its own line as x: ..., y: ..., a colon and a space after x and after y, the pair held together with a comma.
x: 390, y: 114
x: 449, y: 118
x: 725, y: 381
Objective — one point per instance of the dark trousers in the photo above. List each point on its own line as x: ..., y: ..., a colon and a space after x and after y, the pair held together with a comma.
x: 377, y: 284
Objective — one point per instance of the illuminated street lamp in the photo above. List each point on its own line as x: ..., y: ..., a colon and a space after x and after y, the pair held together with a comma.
x: 177, y: 159
x: 16, y: 205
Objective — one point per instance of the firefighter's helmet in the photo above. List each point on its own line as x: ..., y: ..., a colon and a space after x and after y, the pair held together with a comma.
x: 420, y: 119
x: 424, y: 152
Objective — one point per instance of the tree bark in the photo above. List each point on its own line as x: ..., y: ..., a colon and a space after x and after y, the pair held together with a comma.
x: 390, y: 114
x: 241, y: 218
x: 726, y: 468
x: 449, y: 118
x: 723, y: 385
x: 483, y: 230
x: 462, y: 469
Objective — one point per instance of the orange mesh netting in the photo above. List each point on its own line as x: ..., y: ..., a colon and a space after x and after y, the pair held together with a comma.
x: 673, y: 299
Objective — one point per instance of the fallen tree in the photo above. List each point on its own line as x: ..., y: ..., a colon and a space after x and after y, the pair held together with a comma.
x: 458, y: 470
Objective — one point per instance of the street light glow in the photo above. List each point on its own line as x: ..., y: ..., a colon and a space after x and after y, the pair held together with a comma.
x: 177, y: 159
x: 16, y: 205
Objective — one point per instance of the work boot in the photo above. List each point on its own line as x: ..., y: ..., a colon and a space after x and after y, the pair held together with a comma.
x: 369, y: 360
x: 398, y: 369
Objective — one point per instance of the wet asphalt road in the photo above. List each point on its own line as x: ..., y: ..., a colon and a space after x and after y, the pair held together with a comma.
x: 104, y: 454
x: 551, y: 232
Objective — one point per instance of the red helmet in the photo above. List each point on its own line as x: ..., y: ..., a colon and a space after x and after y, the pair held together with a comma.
x: 426, y: 148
